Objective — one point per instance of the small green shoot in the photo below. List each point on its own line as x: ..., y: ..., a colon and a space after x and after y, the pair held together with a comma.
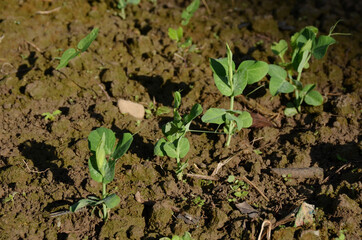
x: 189, y: 12
x: 51, y: 116
x: 122, y: 5
x: 342, y: 235
x: 177, y: 36
x: 82, y: 46
x: 153, y: 110
x: 304, y: 44
x: 257, y: 151
x: 175, y: 144
x: 287, y: 177
x: 232, y: 83
x: 10, y: 198
x: 198, y: 201
x: 239, y: 188
x: 186, y: 236
x: 105, y: 153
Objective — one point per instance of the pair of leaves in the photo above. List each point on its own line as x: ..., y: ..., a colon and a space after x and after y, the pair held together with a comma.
x: 176, y: 34
x: 123, y: 3
x: 82, y: 46
x: 220, y: 116
x: 102, y: 143
x: 176, y: 149
x: 110, y: 201
x: 189, y: 12
x: 233, y: 84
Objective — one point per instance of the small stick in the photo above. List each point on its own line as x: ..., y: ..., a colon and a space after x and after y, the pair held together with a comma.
x: 312, y: 172
x: 34, y: 46
x: 34, y: 170
x: 104, y: 91
x: 268, y: 233
x: 202, y: 176
x: 252, y: 184
x: 207, y: 7
x: 48, y: 12
x: 338, y: 170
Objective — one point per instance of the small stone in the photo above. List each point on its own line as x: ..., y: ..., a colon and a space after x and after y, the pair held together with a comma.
x: 134, y: 109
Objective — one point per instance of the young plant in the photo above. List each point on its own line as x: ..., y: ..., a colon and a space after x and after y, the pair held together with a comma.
x: 105, y: 153
x: 83, y: 45
x: 152, y: 109
x: 189, y: 12
x: 198, y: 201
x: 239, y: 188
x: 175, y: 144
x: 177, y: 35
x: 304, y: 45
x: 51, y: 116
x: 122, y: 5
x: 186, y: 236
x: 232, y: 83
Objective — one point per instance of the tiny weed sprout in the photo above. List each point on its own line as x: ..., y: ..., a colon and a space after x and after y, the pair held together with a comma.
x: 105, y: 153
x: 189, y: 12
x: 304, y: 44
x: 239, y: 188
x: 176, y: 145
x: 51, y: 116
x: 232, y: 83
x: 177, y: 35
x: 198, y: 201
x: 186, y: 236
x: 82, y: 46
x: 153, y: 110
x: 122, y: 5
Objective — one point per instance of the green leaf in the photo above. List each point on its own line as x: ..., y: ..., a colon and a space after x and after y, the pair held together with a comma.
x: 109, y: 171
x: 290, y: 110
x: 278, y: 84
x: 159, y: 148
x: 189, y: 12
x: 183, y: 147
x: 170, y: 149
x: 93, y: 170
x: 177, y: 99
x: 214, y: 115
x: 195, y: 111
x: 81, y: 204
x: 244, y: 120
x: 101, y: 154
x: 95, y: 137
x: 122, y: 146
x: 219, y: 67
x: 134, y: 2
x: 279, y: 48
x: 112, y: 201
x: 300, y: 61
x: 299, y: 39
x: 68, y: 55
x: 186, y: 236
x: 256, y: 70
x: 240, y: 80
x: 173, y: 34
x: 86, y: 42
x: 313, y: 98
x: 321, y: 46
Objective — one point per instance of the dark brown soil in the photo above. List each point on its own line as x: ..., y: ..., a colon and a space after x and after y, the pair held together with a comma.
x: 43, y: 164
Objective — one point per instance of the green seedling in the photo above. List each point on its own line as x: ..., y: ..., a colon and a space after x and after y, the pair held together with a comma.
x: 186, y: 236
x: 82, y: 46
x: 105, y: 153
x: 175, y: 144
x: 304, y: 45
x: 342, y: 235
x: 189, y: 12
x: 198, y: 201
x: 239, y: 188
x: 10, y: 198
x: 51, y: 116
x: 232, y: 83
x: 177, y: 35
x: 287, y: 177
x: 122, y: 5
x: 153, y: 110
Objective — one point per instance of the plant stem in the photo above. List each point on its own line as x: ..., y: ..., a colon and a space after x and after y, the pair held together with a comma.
x: 104, y: 194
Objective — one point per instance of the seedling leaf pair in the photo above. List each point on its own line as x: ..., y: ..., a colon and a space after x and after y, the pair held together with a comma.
x: 82, y: 46
x: 189, y: 12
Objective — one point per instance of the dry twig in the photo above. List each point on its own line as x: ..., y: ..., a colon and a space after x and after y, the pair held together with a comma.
x: 48, y: 12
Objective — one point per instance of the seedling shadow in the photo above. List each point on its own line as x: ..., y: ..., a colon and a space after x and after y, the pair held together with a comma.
x: 160, y: 90
x: 42, y: 155
x: 23, y: 69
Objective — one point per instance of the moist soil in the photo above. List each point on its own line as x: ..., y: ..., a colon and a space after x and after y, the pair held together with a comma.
x: 43, y: 164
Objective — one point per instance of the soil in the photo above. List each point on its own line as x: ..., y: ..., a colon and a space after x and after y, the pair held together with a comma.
x: 43, y: 164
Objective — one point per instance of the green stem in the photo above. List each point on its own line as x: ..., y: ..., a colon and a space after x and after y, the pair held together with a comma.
x: 104, y: 194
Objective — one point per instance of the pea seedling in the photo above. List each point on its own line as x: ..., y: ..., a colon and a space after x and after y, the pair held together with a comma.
x: 305, y: 44
x: 177, y: 35
x: 122, y: 5
x: 232, y: 83
x: 176, y: 145
x: 51, y: 116
x: 105, y: 153
x: 82, y: 46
